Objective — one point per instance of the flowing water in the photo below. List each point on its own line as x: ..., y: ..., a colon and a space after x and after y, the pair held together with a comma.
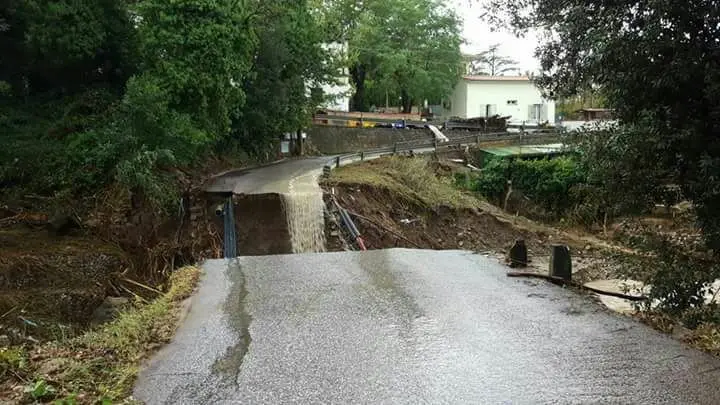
x: 306, y: 221
x: 304, y: 209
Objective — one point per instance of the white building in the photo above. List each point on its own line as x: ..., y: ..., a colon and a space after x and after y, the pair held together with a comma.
x: 337, y: 95
x: 513, y: 96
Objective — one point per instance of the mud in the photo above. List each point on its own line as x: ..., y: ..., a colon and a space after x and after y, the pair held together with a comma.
x: 261, y: 225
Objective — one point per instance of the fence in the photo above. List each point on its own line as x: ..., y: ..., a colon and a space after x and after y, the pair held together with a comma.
x: 433, y: 145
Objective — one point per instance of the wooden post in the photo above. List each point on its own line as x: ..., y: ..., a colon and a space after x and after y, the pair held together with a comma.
x: 560, y: 262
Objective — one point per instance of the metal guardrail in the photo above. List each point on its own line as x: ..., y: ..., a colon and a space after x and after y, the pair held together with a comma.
x: 407, y: 146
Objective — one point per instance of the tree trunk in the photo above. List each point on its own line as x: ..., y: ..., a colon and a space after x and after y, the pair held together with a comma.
x: 406, y: 102
x: 357, y: 73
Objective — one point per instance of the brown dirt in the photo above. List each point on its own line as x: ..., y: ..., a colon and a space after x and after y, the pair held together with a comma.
x: 385, y: 213
x: 50, y: 284
x: 265, y: 231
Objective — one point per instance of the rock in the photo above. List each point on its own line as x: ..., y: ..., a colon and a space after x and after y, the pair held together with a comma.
x: 62, y: 224
x: 461, y: 243
x: 518, y: 256
x: 4, y: 341
x: 334, y: 233
x: 109, y: 309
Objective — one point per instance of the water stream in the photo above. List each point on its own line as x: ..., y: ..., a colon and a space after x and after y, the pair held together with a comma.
x: 306, y: 221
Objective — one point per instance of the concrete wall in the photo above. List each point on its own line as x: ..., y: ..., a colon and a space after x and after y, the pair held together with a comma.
x: 512, y: 98
x: 458, y: 100
x: 332, y: 140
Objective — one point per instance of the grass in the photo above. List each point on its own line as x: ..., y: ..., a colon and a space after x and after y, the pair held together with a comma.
x: 101, y: 365
x: 412, y: 178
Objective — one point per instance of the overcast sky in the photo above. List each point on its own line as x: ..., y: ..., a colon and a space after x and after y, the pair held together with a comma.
x: 479, y: 37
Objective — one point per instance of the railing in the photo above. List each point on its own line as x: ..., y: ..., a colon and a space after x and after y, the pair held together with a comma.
x: 421, y: 146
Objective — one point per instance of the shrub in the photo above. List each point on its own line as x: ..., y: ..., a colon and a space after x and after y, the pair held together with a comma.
x: 547, y: 182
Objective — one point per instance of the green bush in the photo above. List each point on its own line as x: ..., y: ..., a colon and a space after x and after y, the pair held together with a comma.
x: 547, y: 182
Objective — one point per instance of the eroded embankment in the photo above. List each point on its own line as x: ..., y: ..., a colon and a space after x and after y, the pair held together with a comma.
x: 55, y: 283
x: 273, y: 223
x: 412, y: 202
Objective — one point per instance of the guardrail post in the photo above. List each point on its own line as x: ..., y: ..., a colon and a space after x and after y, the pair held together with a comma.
x: 395, y: 149
x: 362, y: 155
x: 337, y: 161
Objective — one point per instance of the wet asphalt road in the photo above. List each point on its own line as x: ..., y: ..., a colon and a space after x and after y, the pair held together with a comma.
x: 411, y: 327
x: 280, y: 177
x: 273, y: 178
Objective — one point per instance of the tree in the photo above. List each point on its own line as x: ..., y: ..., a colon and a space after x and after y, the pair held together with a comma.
x: 408, y: 48
x: 658, y: 65
x: 200, y: 52
x: 288, y: 61
x: 41, y: 55
x: 490, y: 62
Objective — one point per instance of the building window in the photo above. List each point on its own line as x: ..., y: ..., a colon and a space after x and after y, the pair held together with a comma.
x: 512, y: 102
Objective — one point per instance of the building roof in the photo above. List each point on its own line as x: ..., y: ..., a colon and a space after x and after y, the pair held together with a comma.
x: 496, y: 78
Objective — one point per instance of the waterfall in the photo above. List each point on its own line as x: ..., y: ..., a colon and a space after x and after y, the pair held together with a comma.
x: 306, y: 221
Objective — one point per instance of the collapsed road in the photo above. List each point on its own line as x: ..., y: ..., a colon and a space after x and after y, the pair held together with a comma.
x: 406, y: 326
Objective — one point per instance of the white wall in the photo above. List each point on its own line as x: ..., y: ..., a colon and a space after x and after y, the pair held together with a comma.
x: 338, y: 95
x: 458, y: 100
x: 472, y: 97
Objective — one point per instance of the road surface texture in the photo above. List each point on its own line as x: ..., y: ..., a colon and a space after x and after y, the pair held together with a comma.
x: 405, y: 326
x: 274, y: 178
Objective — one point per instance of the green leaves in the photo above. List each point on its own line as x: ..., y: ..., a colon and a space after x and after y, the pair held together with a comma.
x: 199, y: 52
x: 403, y: 48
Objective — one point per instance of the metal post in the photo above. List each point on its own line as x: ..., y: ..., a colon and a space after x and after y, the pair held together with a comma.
x: 560, y: 262
x: 362, y: 155
x: 337, y: 161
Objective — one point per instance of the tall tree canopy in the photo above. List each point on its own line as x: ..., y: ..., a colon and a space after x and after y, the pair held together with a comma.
x: 112, y: 90
x: 407, y: 49
x: 657, y: 62
x: 491, y: 62
x: 287, y: 62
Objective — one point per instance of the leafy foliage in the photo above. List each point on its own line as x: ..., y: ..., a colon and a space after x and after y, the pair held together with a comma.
x: 135, y: 88
x: 657, y: 63
x: 547, y: 182
x: 289, y: 57
x: 198, y: 52
x: 407, y: 49
x: 658, y: 66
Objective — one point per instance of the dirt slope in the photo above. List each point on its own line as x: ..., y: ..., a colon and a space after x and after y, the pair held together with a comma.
x: 410, y: 202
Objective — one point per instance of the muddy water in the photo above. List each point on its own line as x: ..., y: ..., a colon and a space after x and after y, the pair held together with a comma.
x: 306, y: 221
x: 304, y: 210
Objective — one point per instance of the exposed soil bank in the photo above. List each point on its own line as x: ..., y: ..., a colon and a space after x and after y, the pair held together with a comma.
x: 261, y: 225
x: 407, y: 202
x: 54, y: 284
